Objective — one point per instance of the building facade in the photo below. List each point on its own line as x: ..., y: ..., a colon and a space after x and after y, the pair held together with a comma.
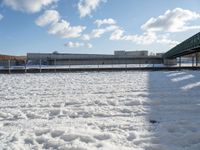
x: 131, y: 53
x: 139, y: 57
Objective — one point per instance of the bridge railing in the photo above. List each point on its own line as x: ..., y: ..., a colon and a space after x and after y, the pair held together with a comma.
x: 188, y: 46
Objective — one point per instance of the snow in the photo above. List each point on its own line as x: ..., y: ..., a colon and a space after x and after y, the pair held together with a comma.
x: 100, y: 111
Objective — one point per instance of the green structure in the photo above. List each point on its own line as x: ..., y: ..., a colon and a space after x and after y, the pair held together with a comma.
x: 189, y: 46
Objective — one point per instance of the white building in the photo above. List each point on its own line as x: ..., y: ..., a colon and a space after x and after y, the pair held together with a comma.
x: 131, y: 53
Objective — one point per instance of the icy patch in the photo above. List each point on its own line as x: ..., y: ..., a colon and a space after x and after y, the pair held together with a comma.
x: 186, y: 77
x: 191, y: 86
x: 174, y: 74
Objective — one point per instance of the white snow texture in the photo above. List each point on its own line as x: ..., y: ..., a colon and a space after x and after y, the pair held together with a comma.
x: 100, y: 111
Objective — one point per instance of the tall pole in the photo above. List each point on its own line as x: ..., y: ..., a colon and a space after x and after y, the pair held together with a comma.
x: 180, y: 61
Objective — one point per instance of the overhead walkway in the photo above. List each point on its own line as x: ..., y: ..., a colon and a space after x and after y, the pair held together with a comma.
x: 189, y: 46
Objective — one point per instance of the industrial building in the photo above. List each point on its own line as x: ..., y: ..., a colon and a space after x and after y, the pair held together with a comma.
x: 119, y: 57
x: 131, y: 53
x: 6, y: 60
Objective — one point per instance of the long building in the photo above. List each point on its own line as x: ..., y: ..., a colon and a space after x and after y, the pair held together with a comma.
x: 131, y: 53
x: 119, y: 57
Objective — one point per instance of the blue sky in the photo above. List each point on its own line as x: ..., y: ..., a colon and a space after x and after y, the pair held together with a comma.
x: 95, y: 26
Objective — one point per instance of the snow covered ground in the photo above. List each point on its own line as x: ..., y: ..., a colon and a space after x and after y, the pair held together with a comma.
x: 101, y: 111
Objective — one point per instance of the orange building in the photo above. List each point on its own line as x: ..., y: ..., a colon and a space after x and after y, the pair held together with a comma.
x: 8, y: 57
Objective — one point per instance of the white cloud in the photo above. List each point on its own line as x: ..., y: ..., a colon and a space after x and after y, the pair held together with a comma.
x: 49, y: 16
x: 85, y: 37
x: 85, y: 7
x: 166, y: 41
x: 65, y: 30
x: 176, y: 20
x: 108, y: 21
x: 144, y: 39
x: 1, y: 17
x: 97, y: 33
x: 165, y: 23
x: 117, y: 35
x: 30, y: 6
x: 88, y: 45
x: 77, y: 45
x: 59, y: 27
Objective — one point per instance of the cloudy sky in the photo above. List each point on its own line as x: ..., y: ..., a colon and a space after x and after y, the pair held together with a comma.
x: 95, y: 26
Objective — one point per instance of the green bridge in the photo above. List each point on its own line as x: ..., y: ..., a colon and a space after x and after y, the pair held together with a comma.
x: 189, y: 46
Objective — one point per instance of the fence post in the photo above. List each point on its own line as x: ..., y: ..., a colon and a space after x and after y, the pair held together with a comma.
x: 196, y: 59
x: 40, y: 65
x: 55, y: 64
x: 9, y: 71
x: 25, y: 66
x: 179, y: 61
x: 192, y: 61
x: 69, y: 64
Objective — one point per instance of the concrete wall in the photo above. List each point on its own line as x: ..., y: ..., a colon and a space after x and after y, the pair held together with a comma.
x: 119, y: 53
x: 131, y: 53
x: 107, y: 61
x: 170, y: 62
x: 49, y: 56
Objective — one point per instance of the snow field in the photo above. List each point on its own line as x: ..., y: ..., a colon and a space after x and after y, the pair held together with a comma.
x: 103, y: 111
